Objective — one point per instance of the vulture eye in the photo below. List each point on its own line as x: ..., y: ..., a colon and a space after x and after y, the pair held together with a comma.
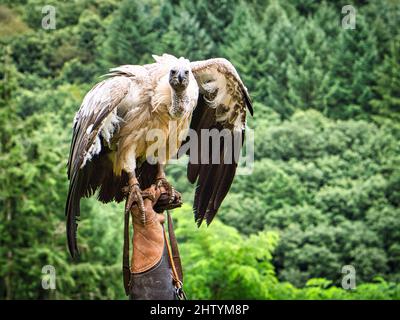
x: 173, y: 72
x: 186, y: 72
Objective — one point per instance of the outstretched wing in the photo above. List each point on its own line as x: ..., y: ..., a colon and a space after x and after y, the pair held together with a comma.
x: 222, y: 104
x: 94, y: 124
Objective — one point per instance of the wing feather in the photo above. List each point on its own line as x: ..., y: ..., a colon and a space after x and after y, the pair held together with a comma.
x: 222, y: 104
x: 98, y: 104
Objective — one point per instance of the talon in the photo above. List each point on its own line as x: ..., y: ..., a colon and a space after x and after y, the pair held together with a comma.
x: 170, y: 190
x: 125, y: 190
x: 173, y: 195
x: 135, y: 196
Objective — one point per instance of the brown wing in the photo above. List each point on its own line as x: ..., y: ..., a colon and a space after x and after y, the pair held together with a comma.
x: 86, y: 167
x: 221, y: 107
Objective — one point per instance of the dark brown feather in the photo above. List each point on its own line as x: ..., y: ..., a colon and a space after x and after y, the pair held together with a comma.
x: 84, y: 181
x: 214, y: 180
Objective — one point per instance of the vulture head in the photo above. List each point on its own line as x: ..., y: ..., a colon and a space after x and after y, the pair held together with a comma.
x: 179, y: 75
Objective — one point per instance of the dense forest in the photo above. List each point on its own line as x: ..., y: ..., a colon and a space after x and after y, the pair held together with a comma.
x: 325, y: 187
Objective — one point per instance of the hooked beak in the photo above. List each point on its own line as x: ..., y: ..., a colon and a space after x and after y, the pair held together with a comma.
x: 181, y: 76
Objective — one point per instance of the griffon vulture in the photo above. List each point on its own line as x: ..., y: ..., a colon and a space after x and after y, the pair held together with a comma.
x: 108, y: 148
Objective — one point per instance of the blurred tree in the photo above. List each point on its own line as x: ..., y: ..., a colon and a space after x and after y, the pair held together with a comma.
x: 90, y: 34
x: 130, y: 37
x: 383, y: 20
x: 355, y: 54
x: 388, y: 83
x: 214, y: 16
x: 185, y: 38
x: 313, y: 174
x: 250, y: 61
x: 308, y: 78
x: 31, y: 177
x: 67, y: 12
x: 230, y: 264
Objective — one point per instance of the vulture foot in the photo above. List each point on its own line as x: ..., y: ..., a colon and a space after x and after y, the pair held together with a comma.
x: 134, y: 196
x: 169, y: 189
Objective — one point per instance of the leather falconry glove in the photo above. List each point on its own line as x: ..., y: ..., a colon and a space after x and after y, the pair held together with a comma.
x: 148, y: 238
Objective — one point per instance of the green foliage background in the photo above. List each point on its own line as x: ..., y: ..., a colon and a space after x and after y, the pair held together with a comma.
x: 325, y: 190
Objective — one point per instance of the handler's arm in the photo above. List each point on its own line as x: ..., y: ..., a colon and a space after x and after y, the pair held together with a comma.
x: 151, y: 275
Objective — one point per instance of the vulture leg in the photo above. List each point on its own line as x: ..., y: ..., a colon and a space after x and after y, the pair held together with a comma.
x: 134, y: 196
x: 161, y: 181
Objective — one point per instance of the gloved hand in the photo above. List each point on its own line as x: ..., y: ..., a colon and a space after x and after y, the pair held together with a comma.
x: 148, y: 239
x: 150, y: 274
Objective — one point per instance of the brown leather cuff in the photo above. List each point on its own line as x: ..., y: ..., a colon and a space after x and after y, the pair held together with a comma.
x: 148, y: 239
